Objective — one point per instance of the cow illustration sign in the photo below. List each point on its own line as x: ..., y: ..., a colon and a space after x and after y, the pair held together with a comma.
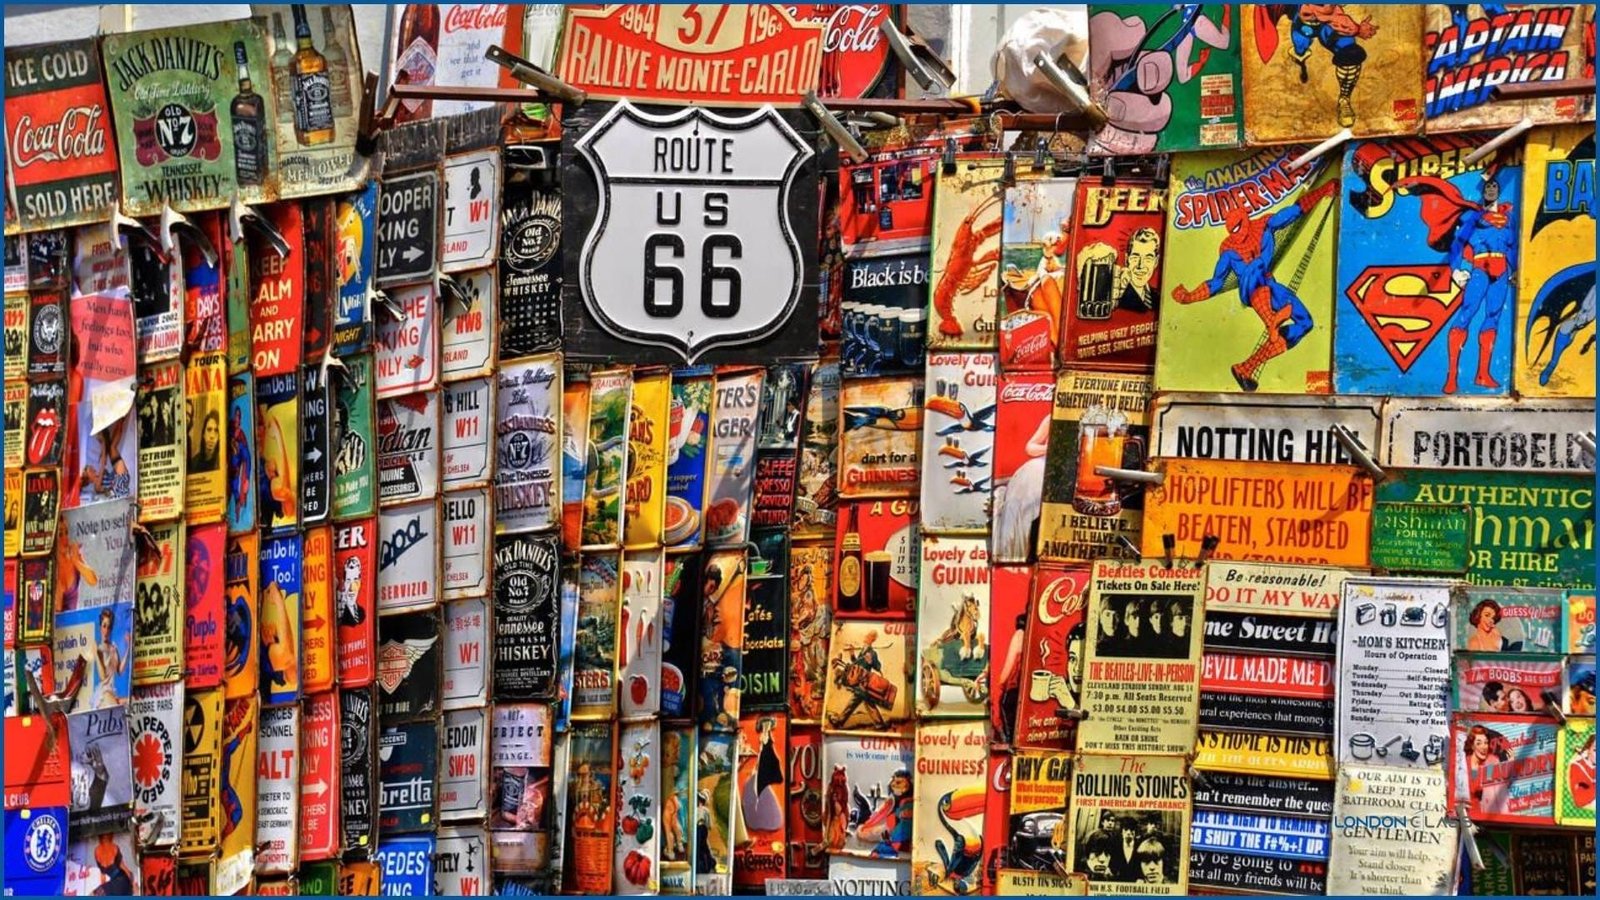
x: 712, y: 205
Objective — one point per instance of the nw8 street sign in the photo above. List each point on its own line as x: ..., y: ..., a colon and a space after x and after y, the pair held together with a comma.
x: 697, y: 235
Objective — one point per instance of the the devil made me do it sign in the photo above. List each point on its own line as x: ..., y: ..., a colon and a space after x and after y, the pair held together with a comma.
x: 694, y: 231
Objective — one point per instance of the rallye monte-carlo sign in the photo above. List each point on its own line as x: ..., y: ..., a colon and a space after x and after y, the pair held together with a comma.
x: 689, y: 224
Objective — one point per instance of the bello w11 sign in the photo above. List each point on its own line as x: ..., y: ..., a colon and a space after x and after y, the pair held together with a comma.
x: 692, y: 226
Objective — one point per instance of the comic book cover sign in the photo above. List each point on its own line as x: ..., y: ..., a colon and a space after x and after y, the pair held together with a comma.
x: 1310, y: 70
x: 869, y: 796
x: 1023, y: 427
x: 1047, y: 683
x: 530, y: 266
x: 1555, y: 296
x: 278, y: 451
x: 408, y: 764
x: 1138, y: 800
x: 1472, y: 48
x: 156, y: 747
x: 1097, y: 422
x: 205, y: 623
x: 959, y: 420
x: 1249, y: 265
x: 964, y: 282
x: 355, y: 223
x: 280, y: 618
x: 884, y: 313
x: 62, y: 158
x: 527, y: 581
x: 1504, y: 768
x: 358, y: 774
x: 102, y: 779
x: 238, y: 787
x: 355, y: 566
x: 36, y: 850
x: 1168, y: 75
x: 1034, y: 241
x: 355, y: 460
x: 1109, y: 308
x: 158, y: 606
x: 1427, y: 269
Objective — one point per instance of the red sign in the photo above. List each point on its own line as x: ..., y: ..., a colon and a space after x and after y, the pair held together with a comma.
x: 713, y: 54
x: 319, y: 778
x: 855, y: 54
x: 355, y: 573
x: 277, y: 305
x: 63, y: 161
x: 1267, y: 676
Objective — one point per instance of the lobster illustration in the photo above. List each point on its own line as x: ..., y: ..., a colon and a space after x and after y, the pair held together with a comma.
x: 965, y: 269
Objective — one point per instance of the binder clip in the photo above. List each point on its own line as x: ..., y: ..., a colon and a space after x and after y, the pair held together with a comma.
x: 948, y: 165
x: 530, y: 74
x: 1208, y: 546
x: 1169, y: 546
x: 1041, y: 155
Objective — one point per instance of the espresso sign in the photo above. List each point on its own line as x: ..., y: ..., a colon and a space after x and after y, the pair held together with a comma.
x: 714, y: 206
x: 62, y: 158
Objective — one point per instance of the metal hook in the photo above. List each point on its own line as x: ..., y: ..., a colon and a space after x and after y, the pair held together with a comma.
x: 1128, y: 546
x: 388, y: 304
x: 1304, y: 159
x: 1138, y: 476
x: 1352, y: 445
x: 172, y: 219
x: 241, y: 215
x: 121, y: 221
x: 847, y: 143
x: 1074, y: 87
x: 528, y: 73
x: 1498, y: 141
x: 920, y: 61
x: 456, y: 295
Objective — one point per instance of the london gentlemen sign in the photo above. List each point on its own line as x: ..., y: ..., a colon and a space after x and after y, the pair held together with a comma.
x: 689, y: 224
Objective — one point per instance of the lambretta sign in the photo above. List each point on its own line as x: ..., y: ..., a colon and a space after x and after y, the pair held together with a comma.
x: 691, y: 242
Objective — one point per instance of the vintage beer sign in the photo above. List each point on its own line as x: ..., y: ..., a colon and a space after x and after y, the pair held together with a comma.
x: 530, y: 266
x: 1296, y: 212
x: 410, y: 667
x: 874, y: 662
x: 464, y: 774
x: 526, y: 583
x: 168, y: 91
x: 1417, y: 263
x: 278, y: 791
x: 319, y: 779
x: 645, y: 493
x: 731, y: 192
x: 952, y: 759
x: 1394, y: 673
x: 155, y: 742
x: 875, y: 559
x: 471, y: 332
x: 591, y: 810
x: 1418, y: 857
x: 958, y: 441
x: 62, y: 155
x: 468, y: 427
x: 1048, y: 684
x: 358, y: 770
x: 952, y: 617
x: 1260, y: 429
x: 158, y: 604
x: 471, y: 221
x: 466, y: 656
x: 355, y: 222
x: 880, y: 768
x: 1276, y: 512
x: 1034, y: 243
x: 527, y: 398
x: 884, y: 309
x: 1498, y: 435
x: 1098, y: 421
x: 1471, y: 48
x: 315, y: 109
x: 205, y: 620
x: 1108, y: 308
x: 604, y: 480
x: 964, y: 283
x: 406, y: 353
x: 355, y: 459
x: 317, y: 640
x: 760, y: 53
x: 1555, y: 252
x: 280, y: 618
x: 408, y: 765
x: 409, y: 542
x: 880, y: 445
x: 636, y: 861
x: 1268, y: 694
x: 316, y: 446
x: 1154, y: 790
x: 355, y: 568
x: 1528, y: 529
x: 240, y: 484
x: 1172, y: 74
x: 1264, y: 754
x: 731, y: 470
x: 278, y: 451
x: 408, y: 448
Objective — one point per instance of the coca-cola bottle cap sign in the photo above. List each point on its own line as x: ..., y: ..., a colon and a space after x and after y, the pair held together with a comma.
x: 855, y: 53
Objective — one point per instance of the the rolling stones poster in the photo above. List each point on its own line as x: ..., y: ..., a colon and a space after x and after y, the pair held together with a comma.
x: 355, y: 567
x: 1555, y: 283
x: 1310, y: 70
x: 161, y: 457
x: 1168, y: 76
x: 881, y: 440
x: 1049, y: 678
x: 470, y: 416
x: 964, y: 283
x: 158, y: 615
x: 636, y: 864
x: 947, y: 833
x: 1098, y: 421
x: 1504, y: 768
x: 279, y: 618
x: 205, y: 618
x: 1249, y: 265
x: 155, y: 732
x: 959, y: 441
x: 1147, y: 795
x: 1427, y: 269
x: 205, y: 441
x: 47, y: 422
x: 870, y: 681
x: 1141, y: 675
x: 1470, y: 48
x: 527, y: 487
x: 953, y: 654
x: 1112, y: 274
x: 62, y: 164
x: 355, y: 459
x: 868, y: 795
x: 240, y: 486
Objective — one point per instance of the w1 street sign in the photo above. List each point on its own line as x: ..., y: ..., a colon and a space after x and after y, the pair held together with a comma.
x: 408, y: 228
x: 696, y: 232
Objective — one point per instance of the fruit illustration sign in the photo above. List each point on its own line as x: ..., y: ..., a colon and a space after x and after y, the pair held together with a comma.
x: 63, y: 159
x: 192, y: 126
x: 1427, y: 268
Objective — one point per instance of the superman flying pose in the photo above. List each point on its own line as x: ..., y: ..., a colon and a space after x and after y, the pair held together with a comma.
x: 1481, y: 240
x: 1247, y: 254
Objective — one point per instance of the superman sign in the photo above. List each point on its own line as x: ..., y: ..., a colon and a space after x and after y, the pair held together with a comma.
x: 1427, y: 268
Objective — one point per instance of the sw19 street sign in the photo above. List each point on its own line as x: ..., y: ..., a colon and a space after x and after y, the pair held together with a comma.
x: 408, y: 228
x: 691, y: 234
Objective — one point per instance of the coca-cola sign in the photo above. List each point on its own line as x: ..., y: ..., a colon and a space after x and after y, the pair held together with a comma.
x: 475, y: 16
x: 855, y: 54
x: 59, y: 146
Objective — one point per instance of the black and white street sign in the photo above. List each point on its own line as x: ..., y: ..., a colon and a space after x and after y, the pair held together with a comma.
x: 471, y: 210
x: 692, y: 230
x: 408, y: 228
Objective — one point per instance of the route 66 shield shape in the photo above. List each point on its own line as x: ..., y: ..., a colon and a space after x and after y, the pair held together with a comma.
x: 704, y: 199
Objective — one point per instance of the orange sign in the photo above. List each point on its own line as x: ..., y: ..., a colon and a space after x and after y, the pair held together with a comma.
x: 1273, y: 512
x: 712, y: 54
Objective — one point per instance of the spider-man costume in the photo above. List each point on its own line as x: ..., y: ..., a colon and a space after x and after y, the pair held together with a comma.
x: 1482, y: 246
x: 1247, y: 253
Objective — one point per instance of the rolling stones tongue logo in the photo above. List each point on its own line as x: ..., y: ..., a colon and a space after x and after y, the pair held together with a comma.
x: 1405, y: 306
x: 176, y: 132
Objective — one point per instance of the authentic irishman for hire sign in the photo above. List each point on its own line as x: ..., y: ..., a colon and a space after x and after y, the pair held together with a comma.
x: 694, y: 230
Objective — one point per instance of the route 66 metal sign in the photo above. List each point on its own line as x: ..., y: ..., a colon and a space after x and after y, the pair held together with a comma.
x: 713, y: 204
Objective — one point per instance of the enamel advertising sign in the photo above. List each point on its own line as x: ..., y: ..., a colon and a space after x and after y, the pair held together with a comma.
x: 61, y: 156
x: 1168, y: 73
x: 317, y: 111
x: 717, y: 208
x: 1555, y: 283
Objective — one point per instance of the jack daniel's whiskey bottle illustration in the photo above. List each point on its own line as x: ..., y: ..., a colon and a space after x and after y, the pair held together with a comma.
x: 249, y: 125
x: 338, y: 67
x: 313, y: 89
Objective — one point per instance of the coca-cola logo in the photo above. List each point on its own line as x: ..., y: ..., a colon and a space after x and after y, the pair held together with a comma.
x: 77, y: 134
x: 1028, y: 393
x: 855, y: 53
x: 476, y: 17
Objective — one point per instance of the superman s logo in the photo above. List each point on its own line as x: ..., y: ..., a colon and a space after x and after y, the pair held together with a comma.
x: 1405, y: 306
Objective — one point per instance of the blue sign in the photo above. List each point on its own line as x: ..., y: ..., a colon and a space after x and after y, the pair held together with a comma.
x: 406, y: 865
x: 36, y: 851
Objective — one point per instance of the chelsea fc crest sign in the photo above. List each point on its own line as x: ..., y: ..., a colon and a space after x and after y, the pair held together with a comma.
x: 690, y: 235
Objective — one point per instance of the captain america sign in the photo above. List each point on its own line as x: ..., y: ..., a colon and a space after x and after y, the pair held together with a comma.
x: 694, y: 229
